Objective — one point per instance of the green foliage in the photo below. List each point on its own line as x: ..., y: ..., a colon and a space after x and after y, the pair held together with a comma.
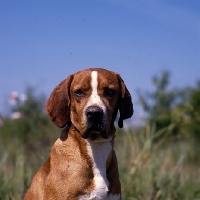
x: 153, y: 171
x: 24, y: 146
x: 178, y: 108
x: 160, y: 101
x: 159, y: 104
x: 193, y: 110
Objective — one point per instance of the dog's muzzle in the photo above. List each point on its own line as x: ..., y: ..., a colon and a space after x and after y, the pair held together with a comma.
x: 95, y: 121
x: 94, y: 115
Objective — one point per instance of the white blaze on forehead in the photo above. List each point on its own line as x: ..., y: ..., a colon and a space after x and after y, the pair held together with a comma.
x: 95, y: 99
x: 94, y: 82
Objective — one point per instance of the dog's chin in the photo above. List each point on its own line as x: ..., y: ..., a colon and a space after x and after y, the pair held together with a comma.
x: 96, y: 135
x: 95, y: 132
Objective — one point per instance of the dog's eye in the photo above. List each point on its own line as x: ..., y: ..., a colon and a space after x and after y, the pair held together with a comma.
x: 79, y: 93
x: 109, y: 92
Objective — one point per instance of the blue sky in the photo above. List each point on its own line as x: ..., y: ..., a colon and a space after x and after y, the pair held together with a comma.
x: 42, y: 42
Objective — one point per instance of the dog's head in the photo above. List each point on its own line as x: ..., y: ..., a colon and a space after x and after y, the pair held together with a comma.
x: 90, y: 100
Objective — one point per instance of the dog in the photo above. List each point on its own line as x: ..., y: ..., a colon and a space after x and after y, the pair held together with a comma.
x: 82, y: 164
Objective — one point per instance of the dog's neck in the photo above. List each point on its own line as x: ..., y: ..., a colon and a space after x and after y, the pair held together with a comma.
x: 99, y: 151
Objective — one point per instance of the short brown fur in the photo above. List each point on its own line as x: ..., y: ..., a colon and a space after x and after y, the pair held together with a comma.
x: 68, y: 173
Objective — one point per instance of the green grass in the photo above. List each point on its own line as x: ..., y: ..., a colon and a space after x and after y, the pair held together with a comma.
x: 165, y: 170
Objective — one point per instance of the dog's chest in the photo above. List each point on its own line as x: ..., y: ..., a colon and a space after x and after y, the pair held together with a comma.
x: 99, y: 153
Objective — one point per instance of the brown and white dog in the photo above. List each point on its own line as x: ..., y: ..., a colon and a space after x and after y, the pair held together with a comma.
x: 82, y: 164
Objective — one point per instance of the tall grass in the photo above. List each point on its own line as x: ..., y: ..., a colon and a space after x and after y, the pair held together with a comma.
x: 165, y: 170
x: 22, y: 152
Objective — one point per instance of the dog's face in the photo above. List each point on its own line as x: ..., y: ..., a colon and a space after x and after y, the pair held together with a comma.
x: 90, y: 100
x: 94, y: 100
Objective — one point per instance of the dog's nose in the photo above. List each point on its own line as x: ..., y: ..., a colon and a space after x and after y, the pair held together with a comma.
x: 94, y: 113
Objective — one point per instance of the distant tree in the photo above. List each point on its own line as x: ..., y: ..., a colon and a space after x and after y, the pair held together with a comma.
x: 193, y: 111
x: 160, y: 103
x: 25, y: 143
x: 33, y: 129
x: 32, y: 117
x: 29, y: 105
x: 33, y: 106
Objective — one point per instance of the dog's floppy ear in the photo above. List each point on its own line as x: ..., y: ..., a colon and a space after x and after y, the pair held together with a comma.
x: 125, y: 104
x: 58, y: 104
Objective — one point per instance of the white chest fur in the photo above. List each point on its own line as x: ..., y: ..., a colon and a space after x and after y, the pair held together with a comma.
x: 99, y: 152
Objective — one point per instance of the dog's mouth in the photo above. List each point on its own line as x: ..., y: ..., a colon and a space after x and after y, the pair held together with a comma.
x: 95, y: 123
x: 96, y: 135
x: 93, y: 136
x: 95, y: 131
